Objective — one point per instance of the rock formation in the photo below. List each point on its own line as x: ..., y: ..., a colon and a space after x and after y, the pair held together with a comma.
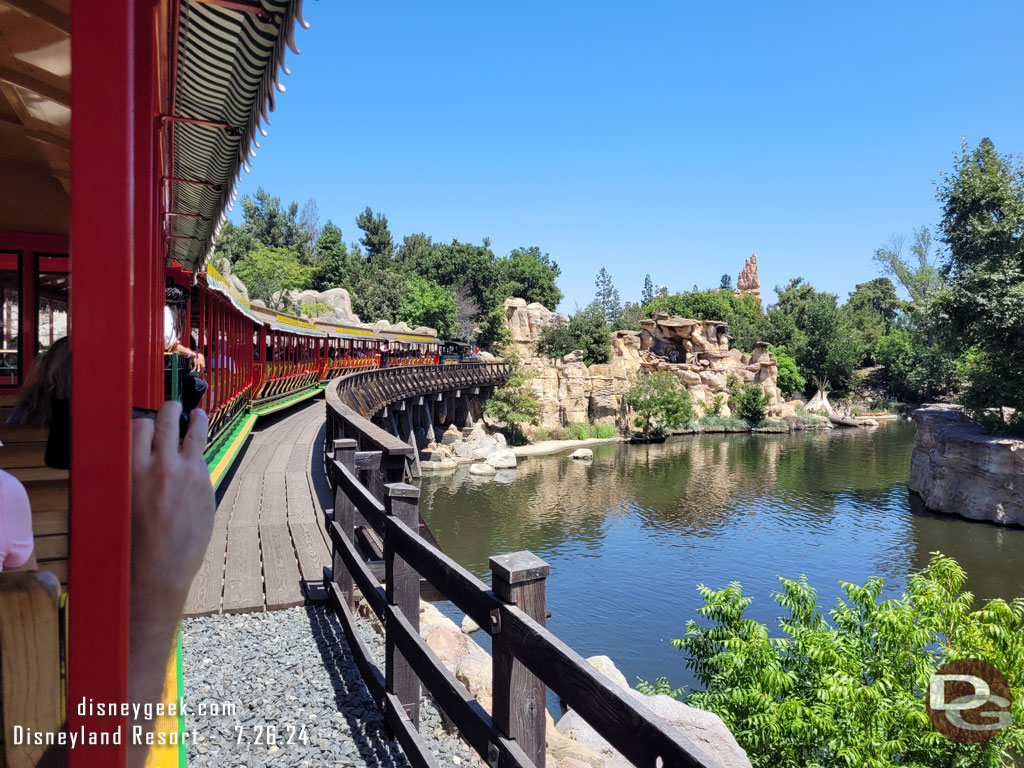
x: 335, y: 298
x: 747, y: 281
x: 697, y: 351
x: 526, y: 321
x: 572, y: 743
x: 958, y: 468
x: 487, y: 453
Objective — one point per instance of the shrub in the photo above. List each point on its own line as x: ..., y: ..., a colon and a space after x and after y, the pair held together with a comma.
x: 660, y: 402
x: 315, y: 309
x: 747, y: 401
x: 586, y: 431
x: 852, y: 692
x: 659, y: 687
x: 714, y: 408
x: 579, y: 431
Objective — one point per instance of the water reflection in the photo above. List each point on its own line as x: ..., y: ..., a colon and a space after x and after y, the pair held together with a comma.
x: 630, y: 535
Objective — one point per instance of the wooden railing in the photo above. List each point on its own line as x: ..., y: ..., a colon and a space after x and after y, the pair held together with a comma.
x: 363, y: 471
x: 366, y: 392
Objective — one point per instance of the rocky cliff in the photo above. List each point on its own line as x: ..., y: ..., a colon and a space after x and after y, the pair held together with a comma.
x: 748, y: 281
x: 956, y: 467
x: 697, y: 351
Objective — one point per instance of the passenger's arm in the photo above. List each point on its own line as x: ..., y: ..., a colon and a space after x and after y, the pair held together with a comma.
x: 172, y: 518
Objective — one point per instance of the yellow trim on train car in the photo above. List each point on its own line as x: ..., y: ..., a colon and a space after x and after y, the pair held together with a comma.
x: 288, y: 320
x: 408, y: 337
x: 360, y: 331
x: 211, y: 272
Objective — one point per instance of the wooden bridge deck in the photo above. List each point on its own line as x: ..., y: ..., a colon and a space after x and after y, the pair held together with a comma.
x: 268, y: 546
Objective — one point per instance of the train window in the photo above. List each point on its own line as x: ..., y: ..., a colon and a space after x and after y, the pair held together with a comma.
x: 52, y: 283
x: 10, y: 317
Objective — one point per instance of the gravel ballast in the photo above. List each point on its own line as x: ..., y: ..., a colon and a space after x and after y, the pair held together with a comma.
x: 281, y: 689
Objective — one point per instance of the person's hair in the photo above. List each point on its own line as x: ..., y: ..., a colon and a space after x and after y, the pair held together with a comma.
x: 48, y: 379
x: 176, y: 294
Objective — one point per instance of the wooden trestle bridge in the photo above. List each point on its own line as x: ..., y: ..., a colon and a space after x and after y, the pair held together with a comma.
x: 320, y: 508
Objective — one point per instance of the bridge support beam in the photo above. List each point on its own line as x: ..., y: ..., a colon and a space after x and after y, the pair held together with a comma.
x: 414, y: 462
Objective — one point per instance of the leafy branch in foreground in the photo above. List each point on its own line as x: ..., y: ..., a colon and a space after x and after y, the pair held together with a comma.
x: 851, y: 692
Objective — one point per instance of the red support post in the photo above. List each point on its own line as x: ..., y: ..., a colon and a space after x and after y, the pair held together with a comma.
x: 203, y: 326
x: 111, y: 247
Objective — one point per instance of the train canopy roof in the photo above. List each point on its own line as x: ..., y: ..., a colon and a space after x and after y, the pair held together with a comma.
x: 221, y: 66
x: 228, y: 55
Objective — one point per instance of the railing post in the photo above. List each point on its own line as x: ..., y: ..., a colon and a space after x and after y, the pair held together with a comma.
x: 403, y: 593
x: 519, y: 695
x: 344, y: 516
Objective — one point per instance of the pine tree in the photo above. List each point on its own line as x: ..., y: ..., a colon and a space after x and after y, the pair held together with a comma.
x: 608, y: 297
x: 647, y: 295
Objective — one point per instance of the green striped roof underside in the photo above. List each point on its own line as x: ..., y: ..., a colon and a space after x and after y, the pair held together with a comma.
x: 228, y: 65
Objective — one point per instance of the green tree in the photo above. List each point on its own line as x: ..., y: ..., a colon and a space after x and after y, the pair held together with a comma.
x: 608, y: 298
x: 377, y: 290
x: 513, y: 403
x: 269, y: 272
x: 659, y: 403
x: 852, y: 692
x: 647, y: 294
x: 789, y: 377
x: 872, y: 309
x: 376, y: 237
x: 556, y: 341
x: 981, y: 311
x: 816, y: 332
x: 413, y: 251
x: 277, y: 226
x: 831, y: 350
x: 332, y: 261
x: 590, y: 329
x: 233, y: 242
x: 427, y: 303
x: 725, y: 283
x: 632, y: 314
x: 919, y: 273
x: 529, y: 274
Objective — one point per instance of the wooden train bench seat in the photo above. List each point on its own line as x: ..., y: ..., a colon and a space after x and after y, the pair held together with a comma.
x: 48, y: 489
x: 7, y: 403
x: 30, y: 664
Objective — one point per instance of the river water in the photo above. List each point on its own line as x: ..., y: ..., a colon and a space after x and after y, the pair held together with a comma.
x: 630, y: 536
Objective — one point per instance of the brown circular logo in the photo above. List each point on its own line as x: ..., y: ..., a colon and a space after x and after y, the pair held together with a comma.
x: 969, y: 701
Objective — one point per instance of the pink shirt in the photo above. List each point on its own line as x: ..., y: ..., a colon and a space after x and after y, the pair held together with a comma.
x: 15, y: 523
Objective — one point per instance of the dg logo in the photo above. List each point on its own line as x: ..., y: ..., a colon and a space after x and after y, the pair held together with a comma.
x: 969, y: 701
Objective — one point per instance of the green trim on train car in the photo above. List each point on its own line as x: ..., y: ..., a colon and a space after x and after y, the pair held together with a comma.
x: 262, y: 410
x: 222, y: 452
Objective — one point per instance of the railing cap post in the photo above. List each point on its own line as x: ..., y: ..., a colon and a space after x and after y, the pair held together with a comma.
x: 345, y: 444
x: 517, y: 567
x: 401, y: 490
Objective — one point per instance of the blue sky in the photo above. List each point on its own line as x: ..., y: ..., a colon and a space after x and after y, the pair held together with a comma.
x: 664, y: 138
